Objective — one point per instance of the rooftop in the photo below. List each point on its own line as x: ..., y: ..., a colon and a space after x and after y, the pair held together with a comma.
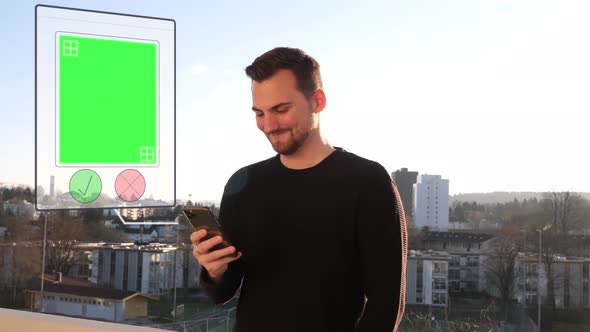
x: 428, y: 254
x: 79, y: 287
x: 534, y: 258
x: 457, y: 236
x: 151, y: 247
x: 94, y: 292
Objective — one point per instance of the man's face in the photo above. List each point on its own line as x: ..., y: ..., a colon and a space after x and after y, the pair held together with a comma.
x: 283, y: 113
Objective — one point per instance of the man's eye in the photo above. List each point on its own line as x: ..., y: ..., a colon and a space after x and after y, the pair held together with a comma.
x: 259, y: 114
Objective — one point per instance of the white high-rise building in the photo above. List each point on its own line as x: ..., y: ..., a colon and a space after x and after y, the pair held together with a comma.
x: 431, y: 202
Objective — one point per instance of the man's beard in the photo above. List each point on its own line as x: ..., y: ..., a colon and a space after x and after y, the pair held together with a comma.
x: 291, y: 145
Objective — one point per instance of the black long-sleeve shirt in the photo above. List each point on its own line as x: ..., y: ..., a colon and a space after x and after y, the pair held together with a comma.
x: 324, y: 248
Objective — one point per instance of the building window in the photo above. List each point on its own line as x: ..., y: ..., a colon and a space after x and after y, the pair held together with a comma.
x: 139, y: 271
x: 100, y: 278
x: 439, y: 298
x: 566, y: 286
x: 125, y: 269
x: 113, y: 266
x: 439, y: 268
x: 439, y: 284
x: 585, y: 285
x: 419, y: 280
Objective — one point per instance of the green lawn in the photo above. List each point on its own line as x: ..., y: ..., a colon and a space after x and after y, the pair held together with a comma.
x: 163, y: 309
x: 569, y: 327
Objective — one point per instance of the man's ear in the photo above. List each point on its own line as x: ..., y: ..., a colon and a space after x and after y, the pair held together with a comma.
x: 319, y: 100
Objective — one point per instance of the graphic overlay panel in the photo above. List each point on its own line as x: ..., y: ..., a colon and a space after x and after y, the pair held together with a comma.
x: 105, y: 110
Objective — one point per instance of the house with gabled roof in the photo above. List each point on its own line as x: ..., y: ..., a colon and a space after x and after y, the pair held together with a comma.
x: 80, y: 298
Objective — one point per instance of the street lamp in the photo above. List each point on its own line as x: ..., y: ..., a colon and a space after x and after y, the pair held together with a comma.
x: 541, y: 230
x: 523, y: 268
x: 41, y: 294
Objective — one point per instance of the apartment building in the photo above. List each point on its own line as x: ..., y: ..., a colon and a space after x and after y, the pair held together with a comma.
x: 464, y: 250
x: 148, y: 269
x: 427, y: 278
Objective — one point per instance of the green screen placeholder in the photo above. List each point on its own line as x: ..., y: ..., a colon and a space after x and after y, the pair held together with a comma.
x: 107, y: 106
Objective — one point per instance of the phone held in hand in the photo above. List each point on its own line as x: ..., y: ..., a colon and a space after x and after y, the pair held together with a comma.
x: 201, y: 217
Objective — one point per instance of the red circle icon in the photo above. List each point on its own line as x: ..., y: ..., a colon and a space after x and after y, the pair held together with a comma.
x: 130, y: 185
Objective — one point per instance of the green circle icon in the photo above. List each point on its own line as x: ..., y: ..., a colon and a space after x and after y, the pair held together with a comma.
x: 85, y: 186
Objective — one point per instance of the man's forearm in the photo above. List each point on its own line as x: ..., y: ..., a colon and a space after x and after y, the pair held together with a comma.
x: 224, y: 287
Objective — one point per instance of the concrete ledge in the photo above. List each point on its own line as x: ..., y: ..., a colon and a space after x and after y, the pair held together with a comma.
x: 17, y: 320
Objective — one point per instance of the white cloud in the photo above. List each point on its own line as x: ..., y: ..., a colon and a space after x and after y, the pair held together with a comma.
x: 198, y: 68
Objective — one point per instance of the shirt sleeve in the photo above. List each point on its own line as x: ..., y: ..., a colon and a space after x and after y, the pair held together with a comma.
x: 228, y: 218
x: 382, y: 239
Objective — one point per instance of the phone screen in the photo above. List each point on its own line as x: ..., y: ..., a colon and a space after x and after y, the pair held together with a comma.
x: 202, y: 218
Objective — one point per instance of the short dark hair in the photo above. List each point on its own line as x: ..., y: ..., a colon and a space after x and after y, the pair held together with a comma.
x: 305, y: 68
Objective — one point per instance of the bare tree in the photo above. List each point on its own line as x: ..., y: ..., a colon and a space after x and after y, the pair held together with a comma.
x: 21, y: 255
x: 500, y: 268
x: 569, y: 204
x: 63, y: 236
x: 562, y: 208
x: 553, y: 200
x: 552, y: 244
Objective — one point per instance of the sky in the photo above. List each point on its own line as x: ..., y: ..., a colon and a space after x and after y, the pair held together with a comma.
x: 492, y: 95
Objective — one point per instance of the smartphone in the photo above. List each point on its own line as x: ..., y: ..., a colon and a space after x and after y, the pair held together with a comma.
x: 201, y: 217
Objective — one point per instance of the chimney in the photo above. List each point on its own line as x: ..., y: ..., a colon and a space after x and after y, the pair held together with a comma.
x: 51, y: 186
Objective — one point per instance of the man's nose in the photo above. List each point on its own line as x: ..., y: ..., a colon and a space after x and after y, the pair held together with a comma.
x: 270, y: 123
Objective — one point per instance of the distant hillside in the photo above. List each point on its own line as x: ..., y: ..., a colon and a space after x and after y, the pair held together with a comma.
x: 499, y: 197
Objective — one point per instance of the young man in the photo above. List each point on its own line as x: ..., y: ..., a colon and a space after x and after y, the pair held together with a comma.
x: 320, y: 231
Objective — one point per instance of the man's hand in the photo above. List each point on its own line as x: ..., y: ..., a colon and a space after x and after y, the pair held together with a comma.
x: 214, y: 262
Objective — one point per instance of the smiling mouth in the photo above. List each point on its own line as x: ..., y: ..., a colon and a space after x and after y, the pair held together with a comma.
x: 278, y: 134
